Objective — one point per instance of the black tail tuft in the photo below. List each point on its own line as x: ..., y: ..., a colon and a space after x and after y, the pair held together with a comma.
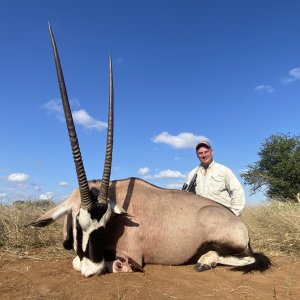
x: 262, y: 263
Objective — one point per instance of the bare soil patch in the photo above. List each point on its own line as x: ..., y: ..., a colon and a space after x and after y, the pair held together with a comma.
x: 40, y: 275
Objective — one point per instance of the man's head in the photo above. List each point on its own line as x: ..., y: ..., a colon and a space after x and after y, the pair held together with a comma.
x: 204, y: 153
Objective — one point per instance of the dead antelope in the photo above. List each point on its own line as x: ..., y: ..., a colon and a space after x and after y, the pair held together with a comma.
x: 132, y: 222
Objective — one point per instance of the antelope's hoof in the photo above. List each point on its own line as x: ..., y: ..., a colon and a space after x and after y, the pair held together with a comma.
x: 202, y: 267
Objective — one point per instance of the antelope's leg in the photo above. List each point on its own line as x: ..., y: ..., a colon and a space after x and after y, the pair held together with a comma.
x: 207, y: 261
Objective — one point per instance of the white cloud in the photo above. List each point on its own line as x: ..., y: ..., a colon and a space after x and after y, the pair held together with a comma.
x: 63, y: 183
x: 174, y: 186
x: 54, y: 107
x: 36, y: 187
x: 46, y: 196
x: 81, y: 117
x: 294, y: 75
x: 264, y: 88
x: 180, y: 141
x: 169, y: 174
x: 143, y: 171
x: 2, y: 195
x: 18, y: 177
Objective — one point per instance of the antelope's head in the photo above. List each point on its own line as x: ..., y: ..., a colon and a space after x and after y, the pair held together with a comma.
x: 94, y: 212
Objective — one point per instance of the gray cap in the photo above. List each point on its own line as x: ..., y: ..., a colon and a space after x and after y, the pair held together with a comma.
x: 204, y: 143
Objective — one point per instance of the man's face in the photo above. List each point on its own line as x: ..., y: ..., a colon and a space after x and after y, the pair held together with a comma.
x: 205, y: 156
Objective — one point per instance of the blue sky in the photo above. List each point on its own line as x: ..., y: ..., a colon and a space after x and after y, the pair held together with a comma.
x: 228, y: 71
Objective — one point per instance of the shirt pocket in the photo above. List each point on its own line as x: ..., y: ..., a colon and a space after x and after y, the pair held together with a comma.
x: 217, y: 184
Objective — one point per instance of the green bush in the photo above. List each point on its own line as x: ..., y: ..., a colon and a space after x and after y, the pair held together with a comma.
x: 278, y: 169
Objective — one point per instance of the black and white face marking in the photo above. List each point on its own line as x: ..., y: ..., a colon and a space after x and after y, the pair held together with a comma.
x: 90, y: 226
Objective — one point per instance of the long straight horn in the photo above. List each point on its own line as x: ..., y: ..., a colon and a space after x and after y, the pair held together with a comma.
x: 103, y: 194
x: 86, y: 200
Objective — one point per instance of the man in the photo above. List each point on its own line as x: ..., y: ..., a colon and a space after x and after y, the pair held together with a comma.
x: 216, y: 182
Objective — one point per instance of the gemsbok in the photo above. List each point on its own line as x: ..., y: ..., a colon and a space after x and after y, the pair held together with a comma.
x: 124, y: 224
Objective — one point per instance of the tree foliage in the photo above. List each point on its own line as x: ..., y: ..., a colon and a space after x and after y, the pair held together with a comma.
x: 277, y: 171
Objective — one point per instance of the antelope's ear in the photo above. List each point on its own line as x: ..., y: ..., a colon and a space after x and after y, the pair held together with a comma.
x: 51, y: 216
x: 41, y: 222
x: 117, y: 209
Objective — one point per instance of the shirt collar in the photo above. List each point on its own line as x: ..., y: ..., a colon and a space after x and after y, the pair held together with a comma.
x: 211, y: 165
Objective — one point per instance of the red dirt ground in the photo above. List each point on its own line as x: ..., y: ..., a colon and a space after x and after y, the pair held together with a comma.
x: 32, y: 276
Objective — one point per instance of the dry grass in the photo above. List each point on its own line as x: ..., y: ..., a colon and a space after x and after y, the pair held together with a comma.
x: 15, y: 236
x: 274, y: 228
